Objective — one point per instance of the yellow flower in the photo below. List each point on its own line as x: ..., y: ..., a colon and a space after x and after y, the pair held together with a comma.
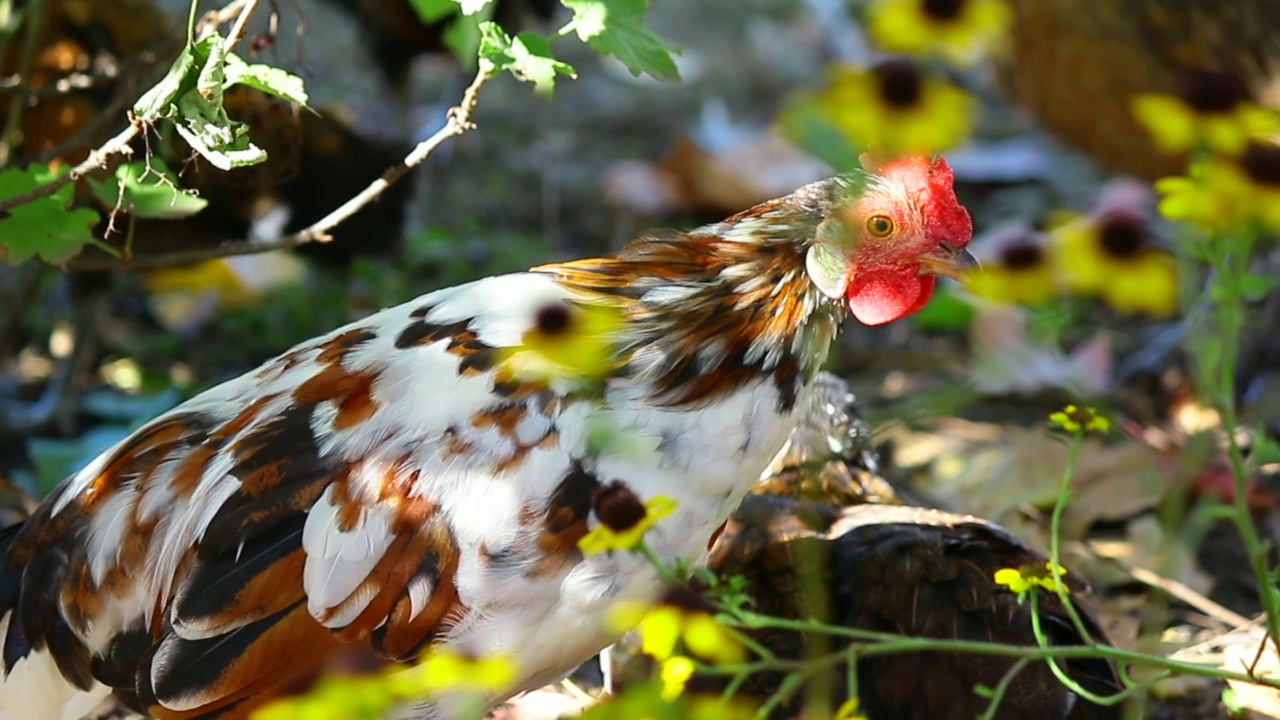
x: 681, y: 616
x: 341, y: 697
x: 1020, y: 272
x: 445, y: 669
x: 1111, y: 256
x: 648, y: 701
x: 1219, y: 192
x: 959, y: 30
x: 893, y: 108
x: 623, y: 520
x: 675, y: 673
x: 1077, y: 420
x: 1214, y: 109
x: 567, y: 340
x: 1022, y: 579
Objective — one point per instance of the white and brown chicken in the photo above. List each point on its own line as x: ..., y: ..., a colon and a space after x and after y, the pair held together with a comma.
x: 400, y: 484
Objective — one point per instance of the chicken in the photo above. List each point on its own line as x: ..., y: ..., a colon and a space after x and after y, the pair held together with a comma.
x: 413, y: 481
x: 1078, y: 64
x: 890, y: 567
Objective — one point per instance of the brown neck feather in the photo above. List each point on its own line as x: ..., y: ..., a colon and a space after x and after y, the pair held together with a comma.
x: 715, y: 309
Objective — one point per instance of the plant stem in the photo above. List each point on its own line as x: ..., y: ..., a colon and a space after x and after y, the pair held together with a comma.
x: 1231, y: 264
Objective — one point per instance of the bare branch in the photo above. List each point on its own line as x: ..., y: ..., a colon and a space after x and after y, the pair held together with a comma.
x: 459, y: 122
x: 97, y: 159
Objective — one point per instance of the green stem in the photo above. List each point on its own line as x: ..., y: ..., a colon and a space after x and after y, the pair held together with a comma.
x: 1002, y: 687
x: 1231, y: 264
x: 664, y: 572
x: 1055, y: 537
x: 880, y: 643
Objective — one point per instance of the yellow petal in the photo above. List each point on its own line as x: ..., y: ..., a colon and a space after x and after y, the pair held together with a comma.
x: 660, y: 631
x: 675, y: 673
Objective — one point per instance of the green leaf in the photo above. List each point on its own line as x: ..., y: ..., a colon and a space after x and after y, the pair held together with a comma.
x: 433, y: 10
x: 158, y: 102
x: 1254, y: 287
x: 616, y: 27
x: 147, y: 190
x: 268, y: 79
x: 42, y: 227
x: 527, y: 56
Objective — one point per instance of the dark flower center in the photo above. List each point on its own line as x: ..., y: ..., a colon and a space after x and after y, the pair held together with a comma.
x: 1211, y: 91
x: 1022, y: 255
x: 617, y: 507
x: 552, y: 319
x: 943, y: 9
x: 1122, y: 235
x: 900, y: 82
x: 1261, y: 162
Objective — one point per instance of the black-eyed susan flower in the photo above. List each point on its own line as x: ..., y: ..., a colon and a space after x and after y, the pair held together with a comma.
x: 1018, y: 271
x: 1076, y: 420
x: 1111, y: 255
x: 959, y: 30
x: 1220, y: 192
x: 567, y: 341
x: 893, y: 107
x: 1213, y: 109
x: 1024, y: 578
x: 624, y: 519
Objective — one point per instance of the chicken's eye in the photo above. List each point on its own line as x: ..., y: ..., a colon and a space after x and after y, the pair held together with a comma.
x: 879, y: 225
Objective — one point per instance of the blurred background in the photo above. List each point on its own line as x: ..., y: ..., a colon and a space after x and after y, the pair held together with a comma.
x: 771, y: 97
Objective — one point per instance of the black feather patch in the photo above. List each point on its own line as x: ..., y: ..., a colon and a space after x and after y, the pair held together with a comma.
x: 213, y: 583
x: 191, y: 666
x: 16, y: 645
x: 70, y: 653
x: 117, y: 666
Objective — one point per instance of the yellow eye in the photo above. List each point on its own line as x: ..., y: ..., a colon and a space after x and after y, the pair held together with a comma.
x: 879, y: 225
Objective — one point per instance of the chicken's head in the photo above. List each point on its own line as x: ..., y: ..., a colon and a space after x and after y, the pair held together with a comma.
x: 893, y: 229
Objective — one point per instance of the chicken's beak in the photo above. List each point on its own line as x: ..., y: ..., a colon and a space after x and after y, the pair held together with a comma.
x: 955, y: 264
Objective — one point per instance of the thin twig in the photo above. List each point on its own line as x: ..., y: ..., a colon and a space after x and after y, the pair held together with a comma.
x: 242, y: 20
x: 1181, y: 591
x: 459, y: 122
x: 97, y: 159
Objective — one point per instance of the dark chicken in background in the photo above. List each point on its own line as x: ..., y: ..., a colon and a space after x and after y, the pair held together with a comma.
x: 1078, y: 64
x: 894, y: 568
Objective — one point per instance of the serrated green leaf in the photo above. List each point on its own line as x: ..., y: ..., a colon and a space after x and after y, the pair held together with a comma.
x: 527, y: 56
x: 495, y: 45
x: 616, y: 27
x: 268, y: 79
x: 44, y: 226
x: 158, y: 102
x: 147, y: 190
x: 533, y: 63
x: 431, y: 11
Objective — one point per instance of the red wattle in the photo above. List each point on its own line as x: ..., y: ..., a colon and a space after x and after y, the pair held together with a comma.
x: 880, y: 296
